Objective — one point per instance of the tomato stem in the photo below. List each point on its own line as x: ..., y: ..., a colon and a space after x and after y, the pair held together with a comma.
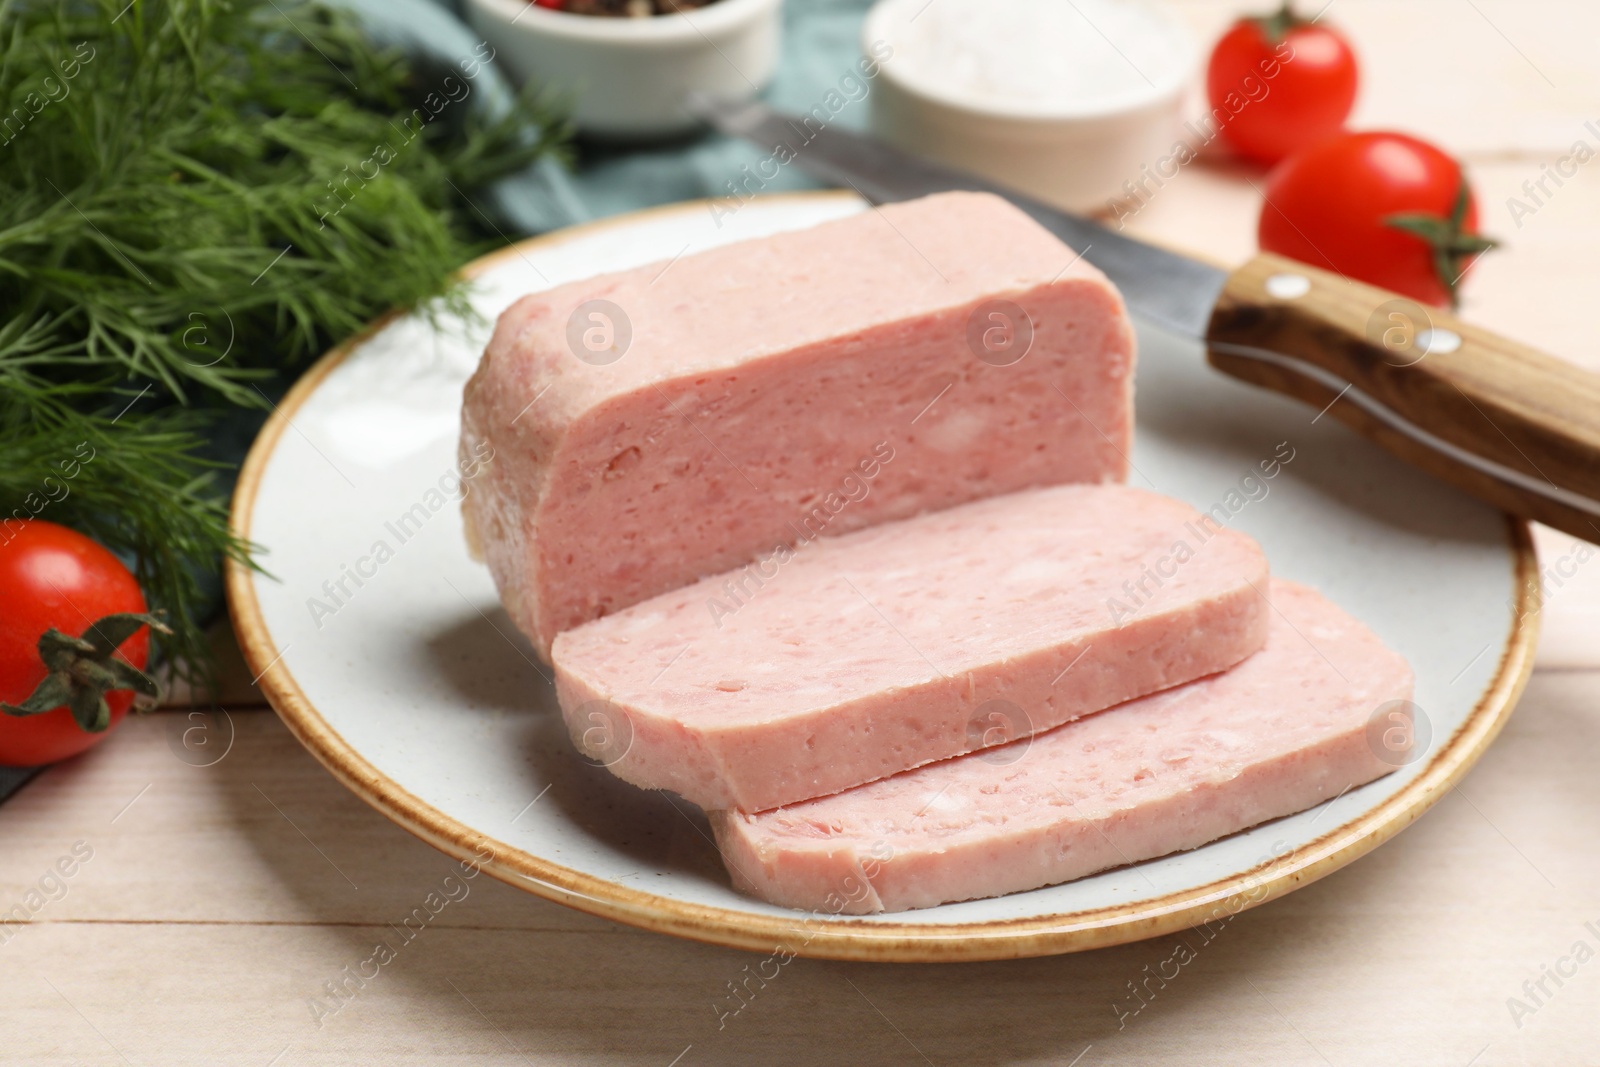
x: 1453, y: 247
x: 1276, y: 26
x: 82, y: 670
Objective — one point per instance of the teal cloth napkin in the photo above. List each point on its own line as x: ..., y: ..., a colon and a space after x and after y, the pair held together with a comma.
x: 821, y: 44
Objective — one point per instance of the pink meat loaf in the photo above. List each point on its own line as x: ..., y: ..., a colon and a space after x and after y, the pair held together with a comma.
x: 853, y: 658
x: 768, y: 391
x: 1285, y: 730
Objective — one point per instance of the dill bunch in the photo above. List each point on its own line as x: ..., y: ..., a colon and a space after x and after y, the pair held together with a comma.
x: 195, y: 195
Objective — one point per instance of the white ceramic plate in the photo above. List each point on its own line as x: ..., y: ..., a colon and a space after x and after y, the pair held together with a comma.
x: 410, y: 684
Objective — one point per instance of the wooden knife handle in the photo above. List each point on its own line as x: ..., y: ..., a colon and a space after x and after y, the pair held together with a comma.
x: 1506, y: 423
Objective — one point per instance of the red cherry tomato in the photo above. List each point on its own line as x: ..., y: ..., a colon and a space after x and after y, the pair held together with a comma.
x: 51, y: 576
x: 1382, y: 208
x: 1280, y: 83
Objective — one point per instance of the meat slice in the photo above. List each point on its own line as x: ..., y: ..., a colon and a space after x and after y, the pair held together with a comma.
x: 1290, y: 727
x: 654, y: 426
x: 853, y: 658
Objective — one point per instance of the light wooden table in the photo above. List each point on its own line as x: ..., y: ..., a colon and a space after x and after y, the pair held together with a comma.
x: 216, y: 903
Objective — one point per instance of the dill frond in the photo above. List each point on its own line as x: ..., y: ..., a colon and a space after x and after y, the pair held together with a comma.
x: 194, y: 196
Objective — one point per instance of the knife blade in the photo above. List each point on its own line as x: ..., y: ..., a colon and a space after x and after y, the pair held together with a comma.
x: 1508, y: 424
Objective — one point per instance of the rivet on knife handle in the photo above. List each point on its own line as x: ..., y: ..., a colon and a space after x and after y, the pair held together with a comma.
x: 1505, y: 422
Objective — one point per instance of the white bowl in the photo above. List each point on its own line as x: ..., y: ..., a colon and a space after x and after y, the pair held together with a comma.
x: 1075, y: 146
x: 631, y: 77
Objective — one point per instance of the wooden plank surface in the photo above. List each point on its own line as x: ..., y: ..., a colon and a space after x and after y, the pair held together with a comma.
x: 215, y: 903
x: 219, y: 901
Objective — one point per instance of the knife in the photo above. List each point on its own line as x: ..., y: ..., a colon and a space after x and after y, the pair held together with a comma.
x: 1502, y: 421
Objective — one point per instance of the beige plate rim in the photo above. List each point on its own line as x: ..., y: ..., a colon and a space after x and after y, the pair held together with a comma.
x: 837, y: 938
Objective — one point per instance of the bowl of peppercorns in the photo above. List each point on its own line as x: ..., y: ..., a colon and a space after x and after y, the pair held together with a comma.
x: 627, y: 69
